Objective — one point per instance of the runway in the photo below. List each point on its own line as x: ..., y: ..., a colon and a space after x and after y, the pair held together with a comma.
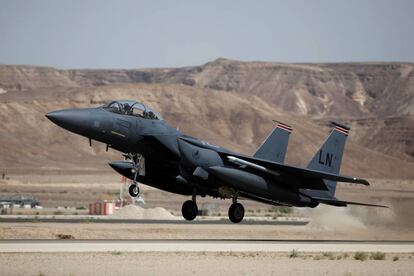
x: 47, y: 246
x: 19, y: 219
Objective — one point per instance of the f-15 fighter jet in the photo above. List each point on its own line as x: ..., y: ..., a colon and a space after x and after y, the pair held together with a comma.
x: 160, y: 156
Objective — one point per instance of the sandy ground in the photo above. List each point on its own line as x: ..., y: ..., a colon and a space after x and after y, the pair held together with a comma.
x: 202, y: 263
x: 82, y: 246
x: 75, y: 189
x: 40, y: 230
x: 326, y: 223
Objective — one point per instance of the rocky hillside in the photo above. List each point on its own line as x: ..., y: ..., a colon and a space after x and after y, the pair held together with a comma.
x: 319, y: 90
x: 230, y: 103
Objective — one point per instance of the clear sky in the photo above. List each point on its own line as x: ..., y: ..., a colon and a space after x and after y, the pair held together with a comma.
x: 153, y: 33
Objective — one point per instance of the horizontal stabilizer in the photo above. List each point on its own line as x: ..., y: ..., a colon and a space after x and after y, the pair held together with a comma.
x: 336, y: 202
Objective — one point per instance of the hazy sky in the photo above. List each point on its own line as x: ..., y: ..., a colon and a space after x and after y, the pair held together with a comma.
x: 131, y: 34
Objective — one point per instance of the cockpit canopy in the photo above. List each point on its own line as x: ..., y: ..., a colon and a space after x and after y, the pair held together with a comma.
x: 132, y: 108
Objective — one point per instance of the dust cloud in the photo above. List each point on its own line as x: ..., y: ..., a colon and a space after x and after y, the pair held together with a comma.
x: 353, y: 217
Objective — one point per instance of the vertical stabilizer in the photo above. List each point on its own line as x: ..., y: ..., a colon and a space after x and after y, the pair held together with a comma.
x: 328, y: 158
x: 275, y: 145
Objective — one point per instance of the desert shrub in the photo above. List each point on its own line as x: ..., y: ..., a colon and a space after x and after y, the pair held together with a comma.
x: 360, y: 256
x: 233, y: 254
x: 377, y: 256
x: 285, y: 209
x: 293, y: 254
x: 395, y: 258
x: 65, y: 237
x: 328, y: 255
x: 251, y: 255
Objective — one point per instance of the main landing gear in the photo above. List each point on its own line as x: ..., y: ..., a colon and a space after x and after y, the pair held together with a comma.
x: 236, y: 212
x: 189, y: 210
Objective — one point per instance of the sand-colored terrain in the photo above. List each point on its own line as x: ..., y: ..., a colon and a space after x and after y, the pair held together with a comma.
x: 334, y: 230
x: 220, y: 263
x: 354, y: 222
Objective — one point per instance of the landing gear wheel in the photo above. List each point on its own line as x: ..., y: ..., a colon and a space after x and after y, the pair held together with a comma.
x: 189, y: 210
x: 133, y: 190
x: 236, y: 212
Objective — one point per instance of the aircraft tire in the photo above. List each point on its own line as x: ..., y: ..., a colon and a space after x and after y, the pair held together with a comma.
x: 133, y: 190
x: 236, y: 212
x: 314, y: 204
x: 189, y: 210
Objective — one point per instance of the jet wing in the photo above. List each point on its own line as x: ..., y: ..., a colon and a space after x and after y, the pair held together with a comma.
x: 336, y: 202
x: 274, y: 168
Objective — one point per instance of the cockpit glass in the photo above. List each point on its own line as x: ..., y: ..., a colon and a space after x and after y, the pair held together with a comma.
x: 138, y: 110
x: 114, y: 107
x: 132, y: 108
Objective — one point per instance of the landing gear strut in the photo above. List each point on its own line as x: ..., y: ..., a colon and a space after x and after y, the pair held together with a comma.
x: 190, y: 209
x: 236, y: 212
x: 139, y: 169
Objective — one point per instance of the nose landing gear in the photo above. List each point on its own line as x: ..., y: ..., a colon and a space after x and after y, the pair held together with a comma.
x: 138, y: 169
x: 133, y: 190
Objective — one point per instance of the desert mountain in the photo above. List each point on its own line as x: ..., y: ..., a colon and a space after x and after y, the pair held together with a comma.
x: 318, y: 90
x: 230, y: 103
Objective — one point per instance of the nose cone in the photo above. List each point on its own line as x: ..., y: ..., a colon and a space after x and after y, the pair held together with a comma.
x: 74, y: 120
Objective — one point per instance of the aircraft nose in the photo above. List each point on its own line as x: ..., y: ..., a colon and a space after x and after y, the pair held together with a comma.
x: 74, y: 120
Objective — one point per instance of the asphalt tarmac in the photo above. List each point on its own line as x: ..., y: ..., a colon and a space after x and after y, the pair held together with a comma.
x: 43, y: 246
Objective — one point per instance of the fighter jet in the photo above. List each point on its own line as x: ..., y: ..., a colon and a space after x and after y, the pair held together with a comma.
x: 159, y: 155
